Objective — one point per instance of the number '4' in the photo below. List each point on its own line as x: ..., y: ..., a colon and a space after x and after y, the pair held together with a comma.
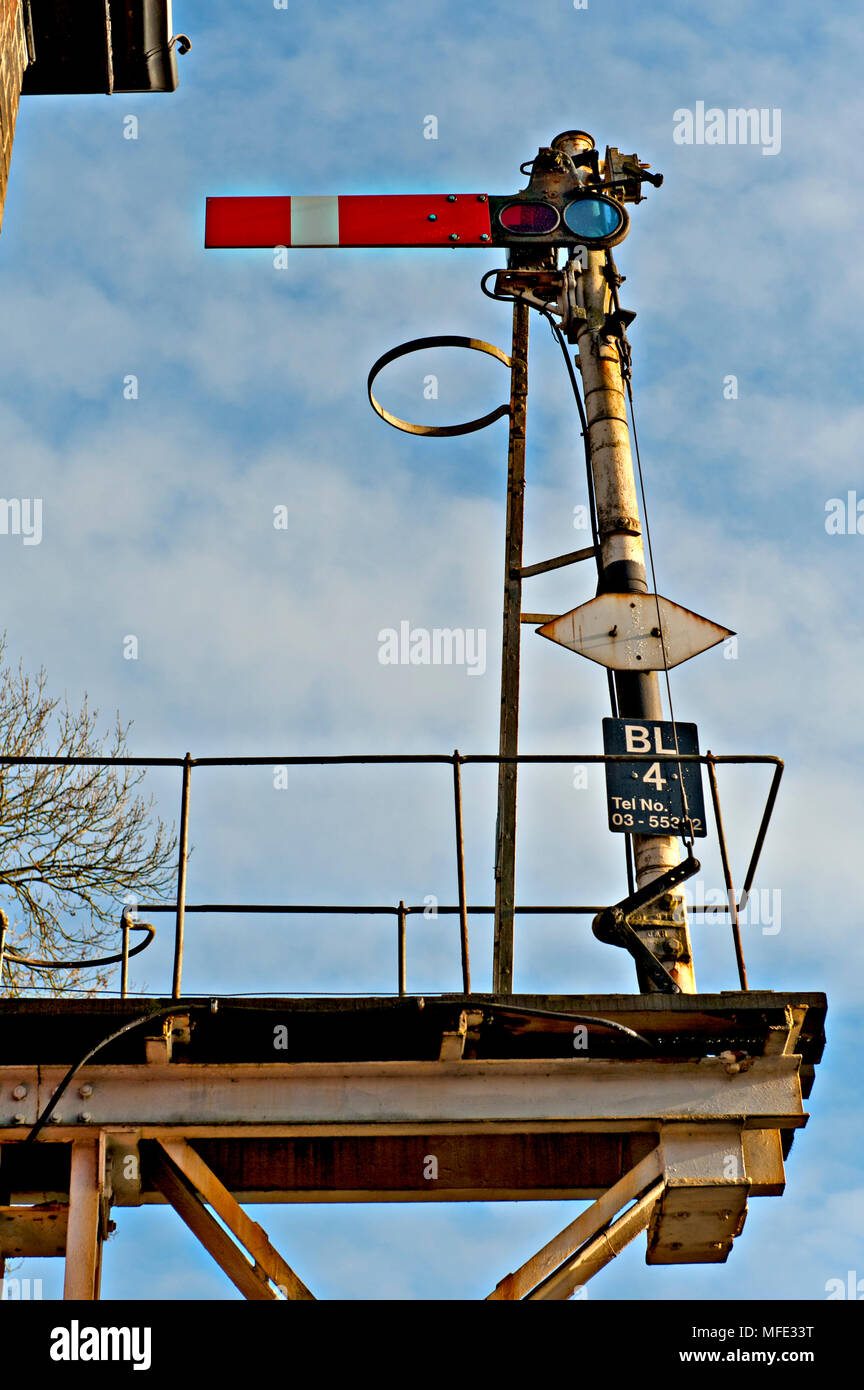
x: 654, y: 775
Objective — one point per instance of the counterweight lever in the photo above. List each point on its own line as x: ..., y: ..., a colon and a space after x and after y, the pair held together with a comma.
x: 614, y: 929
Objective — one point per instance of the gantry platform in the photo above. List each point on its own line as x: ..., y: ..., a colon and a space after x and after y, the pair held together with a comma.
x: 684, y: 1105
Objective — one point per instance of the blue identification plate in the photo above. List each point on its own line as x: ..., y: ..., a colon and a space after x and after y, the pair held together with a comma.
x: 646, y: 797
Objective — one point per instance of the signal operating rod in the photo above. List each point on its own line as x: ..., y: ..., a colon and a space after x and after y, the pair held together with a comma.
x: 508, y: 747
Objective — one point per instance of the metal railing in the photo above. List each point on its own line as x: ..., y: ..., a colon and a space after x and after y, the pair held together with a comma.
x: 401, y: 910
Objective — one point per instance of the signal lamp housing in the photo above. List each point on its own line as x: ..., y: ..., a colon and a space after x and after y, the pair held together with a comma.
x: 569, y: 217
x: 597, y: 220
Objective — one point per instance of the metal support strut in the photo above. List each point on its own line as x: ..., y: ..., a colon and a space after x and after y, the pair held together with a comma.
x: 505, y: 849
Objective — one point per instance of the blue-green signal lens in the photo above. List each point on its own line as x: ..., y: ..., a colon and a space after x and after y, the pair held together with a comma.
x: 593, y: 218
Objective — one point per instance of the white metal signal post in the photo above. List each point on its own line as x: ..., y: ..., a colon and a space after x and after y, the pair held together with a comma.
x: 575, y: 203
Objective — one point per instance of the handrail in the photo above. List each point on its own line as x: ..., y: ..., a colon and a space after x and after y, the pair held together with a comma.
x: 180, y: 908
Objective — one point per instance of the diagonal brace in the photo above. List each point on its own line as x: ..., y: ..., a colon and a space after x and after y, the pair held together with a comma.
x: 185, y: 1180
x: 597, y: 1253
x: 547, y: 1262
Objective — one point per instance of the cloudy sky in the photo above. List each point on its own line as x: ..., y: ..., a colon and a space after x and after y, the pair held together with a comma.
x: 158, y: 523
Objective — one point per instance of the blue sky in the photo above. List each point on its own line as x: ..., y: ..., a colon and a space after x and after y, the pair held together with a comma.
x: 158, y: 522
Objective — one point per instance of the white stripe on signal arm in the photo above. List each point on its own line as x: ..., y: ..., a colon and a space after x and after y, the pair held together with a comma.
x: 315, y: 221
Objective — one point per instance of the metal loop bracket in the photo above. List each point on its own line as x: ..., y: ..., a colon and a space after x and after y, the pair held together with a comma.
x: 13, y: 956
x: 418, y: 345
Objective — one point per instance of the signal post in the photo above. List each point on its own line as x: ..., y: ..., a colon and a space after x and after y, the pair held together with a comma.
x: 663, y: 927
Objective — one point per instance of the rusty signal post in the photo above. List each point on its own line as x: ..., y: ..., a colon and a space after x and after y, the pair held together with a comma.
x: 667, y: 1109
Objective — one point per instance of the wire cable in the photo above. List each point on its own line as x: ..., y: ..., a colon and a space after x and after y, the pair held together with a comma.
x: 567, y: 1018
x: 177, y: 1008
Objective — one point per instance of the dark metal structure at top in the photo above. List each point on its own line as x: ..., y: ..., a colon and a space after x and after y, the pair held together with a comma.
x: 89, y: 46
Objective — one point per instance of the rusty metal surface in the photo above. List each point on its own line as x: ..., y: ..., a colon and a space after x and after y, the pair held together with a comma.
x: 636, y: 691
x: 55, y: 1031
x: 571, y: 558
x: 632, y: 1184
x: 697, y: 1225
x: 511, y: 639
x: 704, y: 1204
x: 189, y: 1171
x: 482, y: 1164
x: 598, y: 1252
x: 250, y: 1279
x: 552, y: 1163
x: 632, y: 1094
x: 33, y: 1232
x: 621, y: 631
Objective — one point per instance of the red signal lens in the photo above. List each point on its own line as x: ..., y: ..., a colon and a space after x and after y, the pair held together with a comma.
x: 529, y: 219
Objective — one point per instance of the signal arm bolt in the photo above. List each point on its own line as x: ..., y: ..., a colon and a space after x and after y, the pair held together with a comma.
x: 454, y: 236
x: 484, y: 236
x: 432, y: 217
x: 19, y: 1119
x: 85, y: 1091
x: 85, y: 1117
x: 451, y: 197
x: 19, y: 1093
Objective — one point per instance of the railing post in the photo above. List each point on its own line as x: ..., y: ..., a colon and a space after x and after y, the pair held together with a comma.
x: 727, y: 873
x: 460, y: 871
x: 181, y: 877
x: 403, y: 913
x: 124, y: 967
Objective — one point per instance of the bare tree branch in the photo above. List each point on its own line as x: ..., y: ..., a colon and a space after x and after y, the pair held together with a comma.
x: 76, y: 842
